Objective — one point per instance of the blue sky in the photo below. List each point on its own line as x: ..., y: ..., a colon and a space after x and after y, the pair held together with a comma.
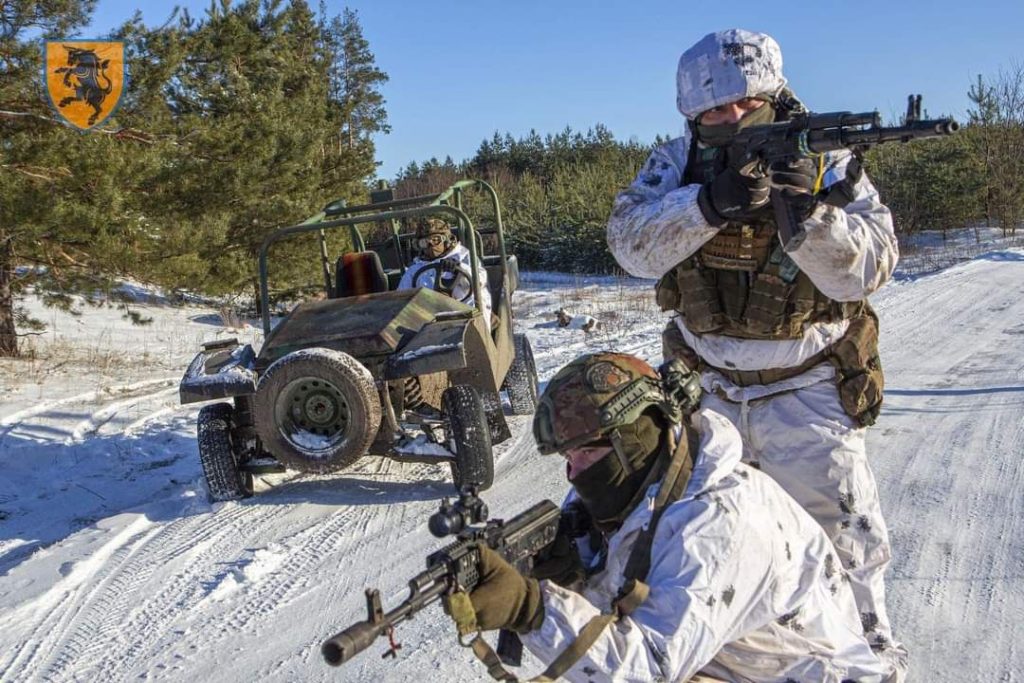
x: 462, y: 70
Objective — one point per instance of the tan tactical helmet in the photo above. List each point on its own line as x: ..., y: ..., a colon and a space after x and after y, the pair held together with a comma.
x: 428, y: 228
x: 603, y: 392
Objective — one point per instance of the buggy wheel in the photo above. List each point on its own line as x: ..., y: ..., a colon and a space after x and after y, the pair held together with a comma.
x: 470, y: 435
x: 317, y: 410
x: 521, y: 381
x: 217, y: 454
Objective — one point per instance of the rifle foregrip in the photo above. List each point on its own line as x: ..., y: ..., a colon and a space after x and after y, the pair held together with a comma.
x: 345, y: 645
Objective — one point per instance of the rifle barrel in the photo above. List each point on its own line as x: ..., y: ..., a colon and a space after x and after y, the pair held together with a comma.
x: 904, y: 133
x: 345, y: 645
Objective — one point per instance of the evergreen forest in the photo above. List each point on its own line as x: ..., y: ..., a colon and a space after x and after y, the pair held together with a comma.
x: 257, y: 113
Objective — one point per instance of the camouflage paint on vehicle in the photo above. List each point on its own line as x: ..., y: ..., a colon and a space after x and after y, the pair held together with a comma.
x: 361, y: 326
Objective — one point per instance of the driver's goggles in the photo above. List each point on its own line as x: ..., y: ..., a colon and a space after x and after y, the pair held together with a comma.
x: 432, y: 240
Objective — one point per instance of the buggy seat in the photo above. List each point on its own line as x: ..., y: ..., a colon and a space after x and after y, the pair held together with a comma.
x: 358, y: 273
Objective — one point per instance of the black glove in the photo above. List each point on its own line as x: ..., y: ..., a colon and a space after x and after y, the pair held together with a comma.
x: 795, y: 180
x: 559, y: 563
x: 733, y: 195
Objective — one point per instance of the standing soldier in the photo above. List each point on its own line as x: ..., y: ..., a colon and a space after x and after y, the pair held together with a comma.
x: 786, y: 340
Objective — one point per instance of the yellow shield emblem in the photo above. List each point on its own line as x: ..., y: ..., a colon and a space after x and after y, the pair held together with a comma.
x: 84, y: 79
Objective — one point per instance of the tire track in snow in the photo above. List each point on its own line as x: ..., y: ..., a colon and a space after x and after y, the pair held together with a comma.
x: 952, y: 491
x: 139, y: 627
x: 345, y: 534
x: 12, y: 421
x: 97, y: 630
x: 92, y: 424
x: 63, y: 604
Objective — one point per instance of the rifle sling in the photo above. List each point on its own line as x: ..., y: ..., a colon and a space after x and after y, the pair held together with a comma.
x: 485, y: 653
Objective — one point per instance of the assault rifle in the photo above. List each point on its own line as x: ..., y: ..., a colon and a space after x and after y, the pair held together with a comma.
x: 455, y: 567
x: 808, y: 133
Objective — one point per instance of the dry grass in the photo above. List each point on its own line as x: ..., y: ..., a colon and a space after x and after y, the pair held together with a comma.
x: 921, y: 260
x: 619, y: 306
x: 104, y: 356
x: 231, y: 317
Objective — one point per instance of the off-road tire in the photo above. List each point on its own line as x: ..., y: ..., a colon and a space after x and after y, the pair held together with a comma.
x: 469, y: 436
x: 521, y: 380
x: 217, y: 454
x: 317, y: 410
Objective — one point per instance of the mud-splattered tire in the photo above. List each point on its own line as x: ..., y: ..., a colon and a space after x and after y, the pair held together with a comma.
x: 317, y: 410
x: 470, y: 437
x: 521, y: 381
x: 217, y: 455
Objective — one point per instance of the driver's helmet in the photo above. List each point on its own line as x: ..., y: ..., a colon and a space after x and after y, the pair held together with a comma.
x: 433, y: 232
x: 593, y: 396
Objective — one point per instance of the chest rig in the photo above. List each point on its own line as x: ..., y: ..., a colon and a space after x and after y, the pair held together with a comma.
x: 741, y: 283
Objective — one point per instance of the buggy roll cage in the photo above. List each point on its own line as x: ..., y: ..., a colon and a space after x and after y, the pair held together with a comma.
x: 448, y: 202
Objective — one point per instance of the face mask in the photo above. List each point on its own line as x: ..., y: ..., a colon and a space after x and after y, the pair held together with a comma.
x: 609, y: 492
x: 722, y: 134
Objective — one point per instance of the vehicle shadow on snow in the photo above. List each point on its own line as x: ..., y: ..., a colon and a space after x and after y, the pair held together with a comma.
x: 351, y: 489
x: 55, y: 485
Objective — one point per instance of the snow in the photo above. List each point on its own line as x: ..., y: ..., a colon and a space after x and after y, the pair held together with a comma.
x: 233, y: 372
x: 426, y: 351
x: 113, y: 565
x: 421, y: 445
x: 310, y: 442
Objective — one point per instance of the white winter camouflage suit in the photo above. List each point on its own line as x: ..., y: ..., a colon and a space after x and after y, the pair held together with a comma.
x: 794, y: 430
x: 417, y: 275
x: 744, y: 586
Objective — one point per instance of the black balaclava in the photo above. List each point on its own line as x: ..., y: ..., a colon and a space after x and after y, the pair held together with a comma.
x: 611, y: 488
x: 723, y: 134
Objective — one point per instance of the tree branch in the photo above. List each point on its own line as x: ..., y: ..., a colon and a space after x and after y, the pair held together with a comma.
x: 121, y: 133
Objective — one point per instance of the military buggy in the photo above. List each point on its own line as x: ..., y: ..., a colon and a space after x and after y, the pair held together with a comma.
x: 413, y: 375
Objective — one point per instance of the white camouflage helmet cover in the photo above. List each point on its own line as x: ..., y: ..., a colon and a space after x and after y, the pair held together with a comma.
x: 727, y: 66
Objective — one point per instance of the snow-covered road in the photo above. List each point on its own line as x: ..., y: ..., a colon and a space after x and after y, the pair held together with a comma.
x: 113, y: 566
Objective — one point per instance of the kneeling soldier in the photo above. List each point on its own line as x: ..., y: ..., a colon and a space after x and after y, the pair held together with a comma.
x: 695, y: 564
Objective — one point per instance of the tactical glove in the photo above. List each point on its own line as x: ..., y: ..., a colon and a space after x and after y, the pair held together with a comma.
x: 560, y: 563
x: 732, y: 196
x: 504, y: 598
x: 796, y: 180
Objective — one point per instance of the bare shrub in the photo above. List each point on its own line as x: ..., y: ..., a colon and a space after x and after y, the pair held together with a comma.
x: 230, y: 317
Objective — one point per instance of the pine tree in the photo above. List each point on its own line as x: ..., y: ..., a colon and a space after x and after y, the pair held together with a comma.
x: 68, y: 214
x: 254, y: 103
x: 355, y: 79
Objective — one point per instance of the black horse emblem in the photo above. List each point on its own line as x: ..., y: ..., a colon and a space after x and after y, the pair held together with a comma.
x: 86, y: 69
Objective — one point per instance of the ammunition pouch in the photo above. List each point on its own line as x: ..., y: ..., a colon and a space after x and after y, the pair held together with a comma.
x: 674, y: 346
x: 749, y: 293
x: 859, y: 369
x: 741, y: 283
x: 859, y: 376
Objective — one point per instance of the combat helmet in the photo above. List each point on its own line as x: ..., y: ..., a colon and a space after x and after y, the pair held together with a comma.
x: 605, y: 395
x: 727, y: 66
x: 430, y: 228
